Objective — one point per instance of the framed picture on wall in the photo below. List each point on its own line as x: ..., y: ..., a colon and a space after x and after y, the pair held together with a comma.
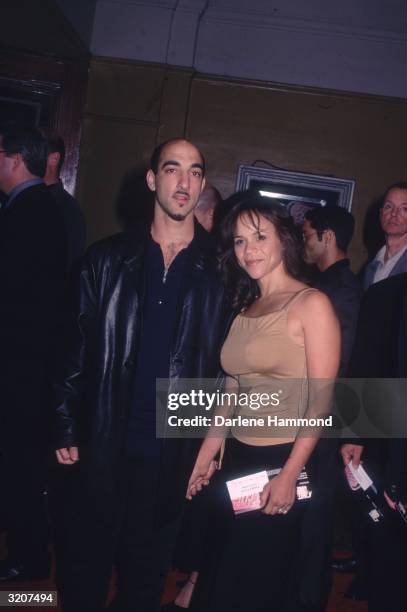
x: 25, y: 104
x: 298, y: 191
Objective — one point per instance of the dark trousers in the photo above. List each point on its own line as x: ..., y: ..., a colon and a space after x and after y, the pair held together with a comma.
x: 24, y: 455
x: 123, y: 527
x: 256, y: 558
x: 386, y: 542
x: 23, y: 500
x: 387, y: 564
x: 197, y: 534
x: 317, y: 530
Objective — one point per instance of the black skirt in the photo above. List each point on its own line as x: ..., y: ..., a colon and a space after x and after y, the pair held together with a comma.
x: 254, y: 561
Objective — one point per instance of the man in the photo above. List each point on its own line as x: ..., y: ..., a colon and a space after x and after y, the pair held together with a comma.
x: 376, y: 354
x: 150, y: 307
x: 208, y: 201
x: 380, y: 354
x: 327, y: 232
x: 68, y: 207
x: 392, y: 257
x: 32, y: 276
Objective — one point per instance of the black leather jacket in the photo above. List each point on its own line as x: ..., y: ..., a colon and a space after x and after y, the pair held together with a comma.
x: 93, y: 393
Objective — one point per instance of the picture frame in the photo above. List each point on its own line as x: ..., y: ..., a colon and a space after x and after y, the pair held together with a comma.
x: 298, y: 191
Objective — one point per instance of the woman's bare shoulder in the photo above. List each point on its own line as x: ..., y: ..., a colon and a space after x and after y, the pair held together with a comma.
x: 313, y: 302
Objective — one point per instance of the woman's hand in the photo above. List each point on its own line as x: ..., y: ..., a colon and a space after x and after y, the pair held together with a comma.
x: 200, y: 477
x: 278, y: 495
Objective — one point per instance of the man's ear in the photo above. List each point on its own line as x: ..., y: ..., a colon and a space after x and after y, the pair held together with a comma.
x: 17, y: 160
x: 203, y: 184
x: 329, y: 236
x: 150, y: 178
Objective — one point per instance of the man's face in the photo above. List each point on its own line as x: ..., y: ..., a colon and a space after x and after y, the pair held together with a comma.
x: 205, y: 217
x: 205, y: 209
x: 393, y: 214
x: 314, y: 248
x: 179, y: 179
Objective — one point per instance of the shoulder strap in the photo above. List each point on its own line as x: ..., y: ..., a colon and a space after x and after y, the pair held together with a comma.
x: 296, y: 295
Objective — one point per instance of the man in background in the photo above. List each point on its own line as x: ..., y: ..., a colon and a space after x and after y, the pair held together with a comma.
x: 391, y: 259
x: 32, y: 275
x: 68, y: 207
x: 327, y: 233
x: 376, y: 355
x: 380, y: 355
x: 208, y: 201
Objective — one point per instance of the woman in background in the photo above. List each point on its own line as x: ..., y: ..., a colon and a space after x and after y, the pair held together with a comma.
x: 286, y: 334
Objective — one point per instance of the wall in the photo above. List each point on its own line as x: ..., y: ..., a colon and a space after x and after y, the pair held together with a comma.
x: 41, y: 28
x: 81, y: 14
x: 132, y: 105
x: 43, y: 59
x: 351, y: 45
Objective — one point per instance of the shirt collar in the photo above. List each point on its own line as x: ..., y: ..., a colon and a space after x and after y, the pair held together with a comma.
x: 380, y: 255
x: 19, y: 188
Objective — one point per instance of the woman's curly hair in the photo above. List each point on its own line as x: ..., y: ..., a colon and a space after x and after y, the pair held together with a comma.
x: 242, y: 289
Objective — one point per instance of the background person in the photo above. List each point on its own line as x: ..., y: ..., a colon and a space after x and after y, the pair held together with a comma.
x: 33, y: 264
x: 208, y: 202
x: 327, y: 232
x: 379, y: 354
x: 391, y: 259
x: 74, y: 221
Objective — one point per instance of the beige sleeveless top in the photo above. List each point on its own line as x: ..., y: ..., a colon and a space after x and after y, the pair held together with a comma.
x: 264, y: 359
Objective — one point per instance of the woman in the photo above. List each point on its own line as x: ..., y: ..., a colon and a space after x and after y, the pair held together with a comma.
x: 286, y: 333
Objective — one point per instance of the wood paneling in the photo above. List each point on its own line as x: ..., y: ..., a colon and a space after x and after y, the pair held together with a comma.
x: 132, y: 105
x: 65, y: 81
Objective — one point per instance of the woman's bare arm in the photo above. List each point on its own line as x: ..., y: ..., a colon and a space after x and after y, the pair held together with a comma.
x: 321, y: 335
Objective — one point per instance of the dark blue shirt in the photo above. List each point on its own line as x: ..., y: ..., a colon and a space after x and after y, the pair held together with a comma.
x: 163, y: 291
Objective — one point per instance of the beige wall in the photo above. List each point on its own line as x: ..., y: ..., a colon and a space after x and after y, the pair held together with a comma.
x: 131, y: 106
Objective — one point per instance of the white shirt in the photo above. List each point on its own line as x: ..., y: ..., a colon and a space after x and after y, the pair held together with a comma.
x: 384, y: 269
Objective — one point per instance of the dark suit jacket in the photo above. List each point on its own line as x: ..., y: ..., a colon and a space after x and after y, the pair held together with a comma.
x: 32, y: 276
x: 376, y: 349
x: 397, y: 468
x: 74, y: 222
x: 399, y: 268
x: 376, y: 354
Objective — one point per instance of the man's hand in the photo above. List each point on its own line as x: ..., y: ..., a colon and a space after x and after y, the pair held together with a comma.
x: 68, y: 456
x: 352, y: 452
x: 390, y: 502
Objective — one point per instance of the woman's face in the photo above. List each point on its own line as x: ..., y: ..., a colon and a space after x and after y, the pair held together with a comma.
x: 258, y: 248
